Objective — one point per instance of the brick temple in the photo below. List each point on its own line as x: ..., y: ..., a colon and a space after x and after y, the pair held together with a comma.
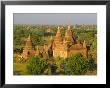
x: 57, y: 46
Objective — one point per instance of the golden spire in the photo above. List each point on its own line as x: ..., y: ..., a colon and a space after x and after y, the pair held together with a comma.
x: 84, y: 44
x: 37, y: 48
x: 68, y: 31
x: 58, y: 30
x: 68, y: 36
x: 58, y: 37
x: 78, y: 38
x: 29, y: 37
x: 44, y: 46
x: 58, y: 34
x: 69, y: 27
x: 51, y: 37
x: 29, y: 41
x: 49, y: 29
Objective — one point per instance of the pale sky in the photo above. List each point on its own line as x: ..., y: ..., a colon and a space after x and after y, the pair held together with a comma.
x: 55, y: 18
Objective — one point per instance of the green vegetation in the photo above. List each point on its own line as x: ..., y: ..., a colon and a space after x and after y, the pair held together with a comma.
x: 20, y: 69
x: 59, y: 62
x: 21, y: 32
x: 78, y: 65
x: 36, y: 66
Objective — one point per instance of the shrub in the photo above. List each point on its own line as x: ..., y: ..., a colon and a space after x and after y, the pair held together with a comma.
x: 76, y: 65
x: 36, y: 66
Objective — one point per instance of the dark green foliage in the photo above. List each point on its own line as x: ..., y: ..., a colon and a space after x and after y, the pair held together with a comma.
x: 53, y: 69
x: 58, y: 62
x: 36, y: 66
x: 93, y: 50
x: 91, y: 64
x: 18, y: 50
x: 37, y: 32
x: 76, y: 65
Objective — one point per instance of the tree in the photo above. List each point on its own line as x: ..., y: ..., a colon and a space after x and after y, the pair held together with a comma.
x: 59, y: 62
x: 36, y: 66
x: 76, y: 65
x: 93, y: 50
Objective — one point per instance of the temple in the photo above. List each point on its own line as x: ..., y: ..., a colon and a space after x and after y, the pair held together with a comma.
x: 28, y: 50
x: 68, y: 47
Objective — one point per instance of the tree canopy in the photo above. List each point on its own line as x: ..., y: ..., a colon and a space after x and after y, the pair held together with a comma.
x: 76, y: 65
x: 36, y: 66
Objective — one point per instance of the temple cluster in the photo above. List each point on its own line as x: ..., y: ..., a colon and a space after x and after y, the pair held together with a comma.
x: 57, y: 46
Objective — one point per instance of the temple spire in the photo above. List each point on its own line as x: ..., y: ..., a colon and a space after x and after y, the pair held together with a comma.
x: 49, y: 29
x: 68, y: 36
x: 37, y: 48
x: 69, y: 27
x: 29, y: 37
x: 84, y: 44
x: 28, y: 49
x: 58, y: 37
x: 29, y: 41
x: 58, y: 31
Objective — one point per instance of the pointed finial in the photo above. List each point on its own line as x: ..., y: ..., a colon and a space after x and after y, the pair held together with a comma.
x: 29, y: 37
x: 51, y: 37
x: 84, y: 44
x: 78, y: 38
x: 48, y: 29
x: 58, y: 27
x: 37, y: 48
x: 69, y: 27
x: 44, y: 46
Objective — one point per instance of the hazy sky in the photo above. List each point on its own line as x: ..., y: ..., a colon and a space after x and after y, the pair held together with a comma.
x: 55, y: 18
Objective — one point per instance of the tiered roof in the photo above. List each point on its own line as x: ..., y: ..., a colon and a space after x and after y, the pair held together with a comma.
x: 68, y: 36
x: 29, y: 43
x: 49, y: 29
x: 58, y: 37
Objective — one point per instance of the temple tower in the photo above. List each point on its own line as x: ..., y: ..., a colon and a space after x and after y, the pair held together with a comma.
x: 48, y: 30
x: 58, y: 49
x: 28, y: 49
x: 58, y: 37
x: 68, y: 39
x: 85, y: 53
x: 84, y: 44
